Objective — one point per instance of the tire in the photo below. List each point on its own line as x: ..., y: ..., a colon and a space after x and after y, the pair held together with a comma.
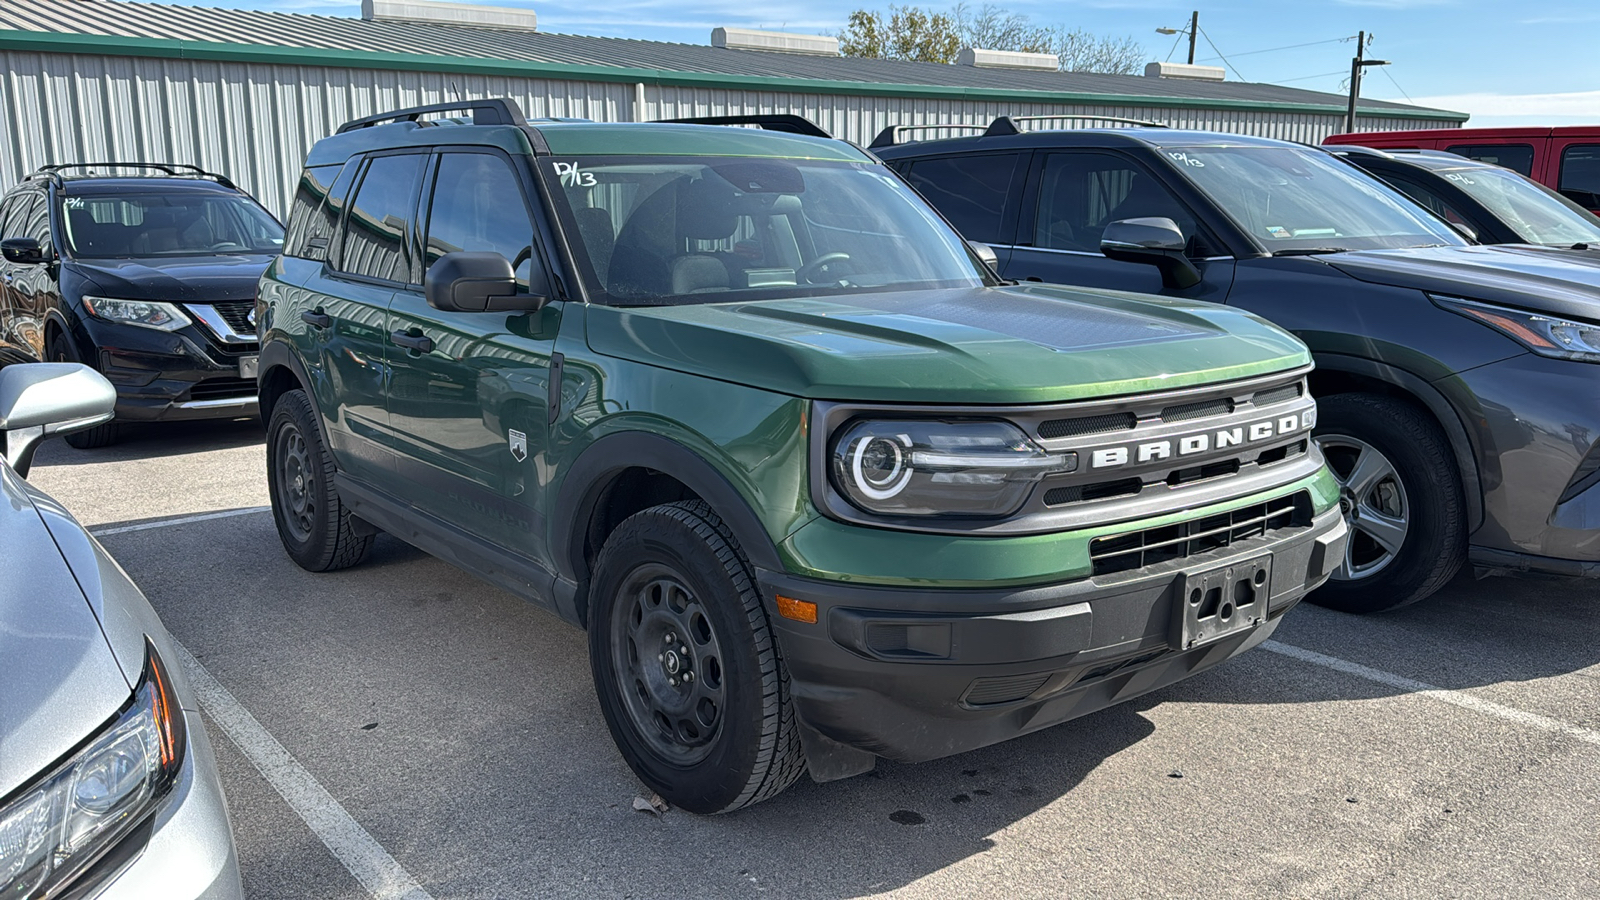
x: 61, y: 350
x: 313, y: 523
x: 1407, y: 475
x: 668, y: 575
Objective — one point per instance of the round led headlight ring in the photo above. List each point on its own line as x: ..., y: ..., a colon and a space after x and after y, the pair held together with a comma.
x: 879, y: 467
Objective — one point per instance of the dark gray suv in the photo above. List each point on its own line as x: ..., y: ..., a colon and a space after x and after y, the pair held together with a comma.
x: 1455, y: 382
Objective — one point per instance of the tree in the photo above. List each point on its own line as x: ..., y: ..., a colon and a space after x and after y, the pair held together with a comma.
x: 926, y: 35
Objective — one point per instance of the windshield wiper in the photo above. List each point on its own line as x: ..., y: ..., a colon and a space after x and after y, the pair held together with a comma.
x: 1307, y: 251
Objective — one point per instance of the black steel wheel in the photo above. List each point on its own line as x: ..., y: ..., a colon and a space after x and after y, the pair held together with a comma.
x: 686, y: 667
x: 315, y: 527
x: 102, y: 435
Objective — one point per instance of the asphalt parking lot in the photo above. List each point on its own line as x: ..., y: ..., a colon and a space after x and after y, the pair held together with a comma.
x: 1449, y: 749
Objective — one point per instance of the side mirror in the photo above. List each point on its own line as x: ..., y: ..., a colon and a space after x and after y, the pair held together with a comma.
x: 1155, y: 241
x: 481, y: 282
x: 985, y: 253
x: 25, y: 251
x: 39, y: 400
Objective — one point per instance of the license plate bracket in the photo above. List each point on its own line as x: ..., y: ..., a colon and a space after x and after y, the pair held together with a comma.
x: 1219, y: 602
x: 249, y: 366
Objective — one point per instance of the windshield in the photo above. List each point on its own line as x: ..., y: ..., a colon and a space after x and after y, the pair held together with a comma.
x: 1537, y: 214
x: 676, y: 230
x: 135, y: 226
x: 1288, y: 198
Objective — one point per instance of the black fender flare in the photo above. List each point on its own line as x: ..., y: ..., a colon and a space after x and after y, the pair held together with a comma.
x: 1461, y: 442
x: 594, y: 468
x: 275, y: 354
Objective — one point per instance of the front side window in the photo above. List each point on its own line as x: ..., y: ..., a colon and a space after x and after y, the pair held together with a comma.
x: 973, y: 192
x: 1580, y: 175
x: 1082, y: 192
x: 478, y: 206
x: 1516, y: 157
x: 137, y: 226
x: 378, y: 226
x: 675, y: 230
x: 1292, y: 199
x: 1537, y: 214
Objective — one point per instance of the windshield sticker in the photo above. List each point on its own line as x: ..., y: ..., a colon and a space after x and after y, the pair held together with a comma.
x: 1458, y: 177
x: 1278, y: 232
x: 1185, y: 159
x: 571, y: 176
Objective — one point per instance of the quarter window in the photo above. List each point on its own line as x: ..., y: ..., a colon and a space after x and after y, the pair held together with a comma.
x: 973, y: 192
x: 37, y: 225
x: 378, y: 228
x: 1082, y: 193
x: 309, y: 229
x: 1580, y: 174
x: 478, y: 206
x: 1516, y: 157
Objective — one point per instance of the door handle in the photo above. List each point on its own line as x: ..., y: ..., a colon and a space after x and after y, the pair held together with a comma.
x: 316, y: 318
x: 418, y: 342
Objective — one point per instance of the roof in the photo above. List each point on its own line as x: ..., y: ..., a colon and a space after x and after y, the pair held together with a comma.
x: 148, y: 29
x: 1082, y: 137
x: 1433, y: 160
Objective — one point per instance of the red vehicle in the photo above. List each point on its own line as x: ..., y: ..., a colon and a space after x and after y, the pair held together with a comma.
x: 1566, y: 159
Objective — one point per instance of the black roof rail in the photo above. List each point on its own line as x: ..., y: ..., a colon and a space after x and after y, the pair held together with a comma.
x: 176, y: 170
x: 891, y: 135
x: 1008, y: 124
x: 493, y: 111
x: 1356, y: 150
x: 788, y: 123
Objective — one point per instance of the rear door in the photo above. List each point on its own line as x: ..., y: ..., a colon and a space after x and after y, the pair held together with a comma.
x: 34, y: 288
x: 1072, y: 195
x: 1578, y: 170
x: 13, y: 213
x: 468, y: 390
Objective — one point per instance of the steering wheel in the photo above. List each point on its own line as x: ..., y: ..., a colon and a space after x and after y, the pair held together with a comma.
x: 805, y: 272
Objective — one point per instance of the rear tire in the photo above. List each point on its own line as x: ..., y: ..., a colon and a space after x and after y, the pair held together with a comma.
x: 313, y: 523
x: 686, y: 666
x: 1401, y: 494
x: 61, y: 350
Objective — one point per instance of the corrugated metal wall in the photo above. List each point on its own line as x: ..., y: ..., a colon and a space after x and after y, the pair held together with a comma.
x: 254, y: 122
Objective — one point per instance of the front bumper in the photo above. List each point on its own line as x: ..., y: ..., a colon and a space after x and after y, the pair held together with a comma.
x: 171, y: 376
x: 913, y: 674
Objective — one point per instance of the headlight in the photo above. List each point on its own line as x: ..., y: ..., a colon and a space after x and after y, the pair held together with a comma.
x: 1546, y: 336
x: 146, y: 313
x: 60, y: 826
x: 921, y: 468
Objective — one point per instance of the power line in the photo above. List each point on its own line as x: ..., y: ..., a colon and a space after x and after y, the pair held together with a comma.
x: 1225, y: 61
x: 1175, y: 42
x: 1397, y: 85
x: 1309, y: 77
x: 1342, y: 40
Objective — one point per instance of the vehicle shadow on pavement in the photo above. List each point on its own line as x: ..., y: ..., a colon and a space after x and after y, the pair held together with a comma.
x: 138, y: 441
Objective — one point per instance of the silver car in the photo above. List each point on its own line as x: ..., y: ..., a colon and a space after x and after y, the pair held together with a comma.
x: 108, y: 788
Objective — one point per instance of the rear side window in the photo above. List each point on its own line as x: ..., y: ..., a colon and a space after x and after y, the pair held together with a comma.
x: 1580, y: 175
x: 310, y: 196
x: 1426, y: 196
x: 1516, y: 157
x: 378, y: 228
x: 1083, y: 192
x: 973, y: 192
x: 478, y: 206
x: 13, y: 215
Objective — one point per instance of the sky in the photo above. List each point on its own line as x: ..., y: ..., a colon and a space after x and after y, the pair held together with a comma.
x: 1505, y: 64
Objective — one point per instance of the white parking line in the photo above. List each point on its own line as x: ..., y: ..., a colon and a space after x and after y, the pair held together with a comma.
x: 360, y: 853
x: 1433, y: 692
x: 184, y: 520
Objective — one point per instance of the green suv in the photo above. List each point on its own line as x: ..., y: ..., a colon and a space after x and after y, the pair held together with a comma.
x: 818, y: 484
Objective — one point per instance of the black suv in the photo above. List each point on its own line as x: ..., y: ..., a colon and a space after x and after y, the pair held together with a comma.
x: 1454, y: 381
x: 148, y: 275
x: 1495, y: 204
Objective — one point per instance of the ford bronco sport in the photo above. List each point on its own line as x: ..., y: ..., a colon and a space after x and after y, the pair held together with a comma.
x: 819, y: 485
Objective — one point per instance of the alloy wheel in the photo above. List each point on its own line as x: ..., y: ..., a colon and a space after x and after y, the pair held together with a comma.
x: 1372, y: 498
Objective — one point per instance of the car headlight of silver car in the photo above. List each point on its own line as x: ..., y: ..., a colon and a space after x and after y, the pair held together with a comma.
x: 144, y: 313
x: 933, y: 468
x: 1550, y: 336
x: 61, y: 824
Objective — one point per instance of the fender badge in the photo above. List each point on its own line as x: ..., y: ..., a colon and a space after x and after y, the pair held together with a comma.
x: 519, y: 445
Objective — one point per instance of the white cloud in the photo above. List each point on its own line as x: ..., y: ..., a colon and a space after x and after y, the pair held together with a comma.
x: 1578, y: 104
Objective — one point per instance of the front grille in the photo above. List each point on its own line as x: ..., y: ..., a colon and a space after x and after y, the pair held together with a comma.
x: 1004, y: 689
x: 1060, y: 428
x: 1204, y: 408
x: 1077, y: 493
x: 1277, y: 395
x: 1139, y: 549
x: 219, y: 388
x: 237, y: 314
x: 1109, y: 668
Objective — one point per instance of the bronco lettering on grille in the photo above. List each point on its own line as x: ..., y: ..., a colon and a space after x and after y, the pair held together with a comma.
x: 1203, y: 442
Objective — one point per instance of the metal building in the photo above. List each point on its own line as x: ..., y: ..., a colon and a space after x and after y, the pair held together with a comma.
x: 246, y: 93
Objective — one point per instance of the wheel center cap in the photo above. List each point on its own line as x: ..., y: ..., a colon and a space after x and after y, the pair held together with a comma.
x: 299, y: 483
x: 672, y: 663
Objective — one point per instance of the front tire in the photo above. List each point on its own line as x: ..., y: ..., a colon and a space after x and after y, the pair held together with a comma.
x: 102, y: 435
x: 1401, y: 495
x: 313, y: 523
x: 686, y: 667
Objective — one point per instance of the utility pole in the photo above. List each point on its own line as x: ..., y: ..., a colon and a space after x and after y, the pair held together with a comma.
x: 1194, y: 29
x: 1357, y: 66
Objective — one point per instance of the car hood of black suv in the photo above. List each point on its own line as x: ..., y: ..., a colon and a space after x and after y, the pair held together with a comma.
x: 197, y: 278
x: 1554, y: 281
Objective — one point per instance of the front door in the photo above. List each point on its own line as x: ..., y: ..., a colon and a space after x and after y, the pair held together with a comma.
x: 468, y: 390
x: 1074, y: 195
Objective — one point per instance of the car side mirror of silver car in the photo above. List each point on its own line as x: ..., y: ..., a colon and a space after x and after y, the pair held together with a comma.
x: 40, y: 400
x: 482, y: 282
x: 1155, y: 241
x: 986, y: 253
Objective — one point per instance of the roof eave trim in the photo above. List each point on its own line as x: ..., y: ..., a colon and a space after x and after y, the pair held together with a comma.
x: 166, y: 48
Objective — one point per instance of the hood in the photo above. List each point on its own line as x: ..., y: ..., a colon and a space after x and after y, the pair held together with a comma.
x: 61, y: 679
x: 1550, y: 280
x: 1024, y: 344
x: 182, y: 278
